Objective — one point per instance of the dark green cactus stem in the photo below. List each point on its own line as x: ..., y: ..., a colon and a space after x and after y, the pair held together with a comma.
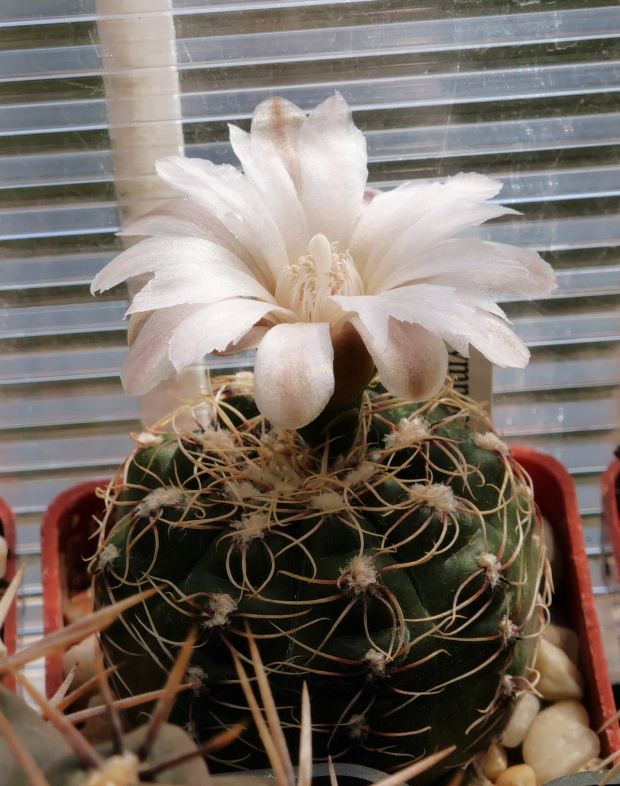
x: 401, y: 578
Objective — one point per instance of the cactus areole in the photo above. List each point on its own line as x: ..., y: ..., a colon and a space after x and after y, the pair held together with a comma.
x: 400, y: 575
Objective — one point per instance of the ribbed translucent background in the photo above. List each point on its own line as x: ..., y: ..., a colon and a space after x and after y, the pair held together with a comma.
x: 524, y: 90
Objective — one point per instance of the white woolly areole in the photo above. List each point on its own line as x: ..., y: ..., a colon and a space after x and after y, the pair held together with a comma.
x: 360, y: 474
x: 491, y: 441
x: 409, y: 430
x: 240, y: 491
x: 122, y: 770
x: 522, y: 490
x: 250, y: 527
x: 160, y: 498
x: 220, y: 439
x: 196, y: 674
x: 376, y: 660
x: 359, y: 575
x: 145, y: 439
x: 492, y: 567
x: 222, y: 606
x: 509, y: 685
x: 358, y: 727
x: 327, y: 501
x: 107, y: 555
x: 436, y: 496
x: 508, y: 631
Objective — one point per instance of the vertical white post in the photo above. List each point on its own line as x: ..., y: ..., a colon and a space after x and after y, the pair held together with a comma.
x: 138, y: 54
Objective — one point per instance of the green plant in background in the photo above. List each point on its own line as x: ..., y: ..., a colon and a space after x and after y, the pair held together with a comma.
x: 386, y: 553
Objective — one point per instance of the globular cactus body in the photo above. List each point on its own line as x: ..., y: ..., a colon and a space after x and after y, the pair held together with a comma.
x: 402, y: 580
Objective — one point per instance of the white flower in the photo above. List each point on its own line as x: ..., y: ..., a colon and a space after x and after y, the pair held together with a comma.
x: 297, y: 258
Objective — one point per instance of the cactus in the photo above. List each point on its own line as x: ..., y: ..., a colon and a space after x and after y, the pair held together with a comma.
x: 47, y: 749
x: 50, y: 751
x: 394, y: 565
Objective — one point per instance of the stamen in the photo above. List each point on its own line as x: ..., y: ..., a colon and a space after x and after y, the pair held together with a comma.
x: 323, y: 272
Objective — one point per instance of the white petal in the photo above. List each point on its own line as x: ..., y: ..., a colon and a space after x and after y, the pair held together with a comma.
x: 157, y: 253
x: 196, y: 283
x: 226, y: 194
x: 400, y: 225
x: 183, y: 218
x: 293, y: 374
x: 471, y: 262
x: 276, y: 124
x: 215, y: 328
x: 459, y: 317
x: 332, y: 156
x: 415, y: 362
x: 269, y: 176
x: 148, y: 362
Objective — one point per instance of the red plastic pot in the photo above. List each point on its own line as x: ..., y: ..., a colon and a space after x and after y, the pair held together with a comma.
x: 65, y: 543
x: 556, y: 497
x: 9, y: 533
x: 610, y: 487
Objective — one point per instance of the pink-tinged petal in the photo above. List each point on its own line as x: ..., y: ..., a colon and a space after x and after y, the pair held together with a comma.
x: 276, y: 125
x: 269, y: 176
x: 148, y: 362
x: 415, y: 362
x: 157, y: 253
x: 459, y: 317
x: 332, y: 157
x: 219, y: 327
x: 227, y: 195
x: 471, y: 262
x: 293, y: 374
x: 399, y: 225
x: 202, y: 283
x: 183, y: 218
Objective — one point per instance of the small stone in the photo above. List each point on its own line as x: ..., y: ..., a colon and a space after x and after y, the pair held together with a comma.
x: 559, y: 677
x: 82, y: 654
x: 564, y: 638
x: 78, y: 606
x: 559, y: 741
x: 494, y: 762
x: 4, y: 555
x: 528, y: 707
x: 517, y: 775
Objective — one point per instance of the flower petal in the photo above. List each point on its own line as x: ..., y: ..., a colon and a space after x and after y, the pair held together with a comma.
x: 227, y: 195
x: 196, y: 283
x: 471, y: 262
x: 414, y: 364
x: 268, y: 174
x: 183, y: 218
x: 332, y: 157
x: 293, y: 374
x: 216, y: 327
x: 276, y: 125
x: 148, y: 362
x: 157, y: 253
x: 416, y: 217
x: 459, y: 317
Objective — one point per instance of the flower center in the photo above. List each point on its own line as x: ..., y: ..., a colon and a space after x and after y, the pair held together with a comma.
x: 324, y: 271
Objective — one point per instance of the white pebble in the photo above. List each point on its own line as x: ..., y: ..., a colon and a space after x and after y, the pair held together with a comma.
x: 4, y: 554
x: 559, y: 677
x: 82, y: 654
x: 517, y: 775
x: 494, y: 762
x: 564, y: 638
x: 528, y: 707
x: 559, y: 741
